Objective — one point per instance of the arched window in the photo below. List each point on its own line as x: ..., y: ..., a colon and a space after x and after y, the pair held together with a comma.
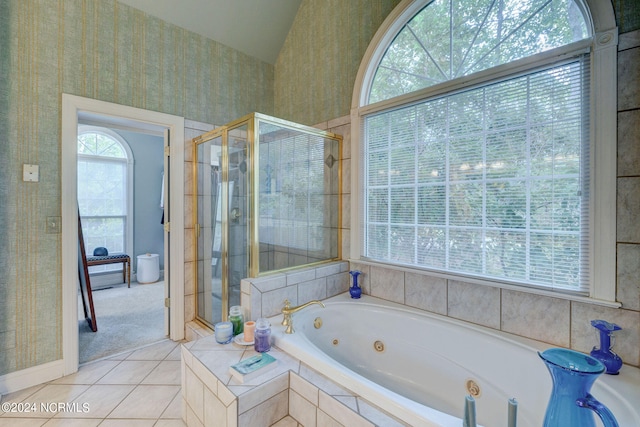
x: 104, y: 191
x: 478, y: 143
x: 450, y: 39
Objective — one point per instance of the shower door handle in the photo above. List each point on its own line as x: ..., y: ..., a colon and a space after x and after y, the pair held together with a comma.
x: 235, y: 214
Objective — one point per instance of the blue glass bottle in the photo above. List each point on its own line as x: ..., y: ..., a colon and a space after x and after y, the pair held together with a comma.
x: 573, y: 374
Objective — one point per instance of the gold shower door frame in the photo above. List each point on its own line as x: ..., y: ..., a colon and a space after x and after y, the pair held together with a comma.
x: 252, y: 150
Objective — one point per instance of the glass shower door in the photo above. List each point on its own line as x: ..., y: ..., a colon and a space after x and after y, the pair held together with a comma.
x: 267, y: 196
x: 221, y: 221
x: 209, y: 230
x: 237, y: 212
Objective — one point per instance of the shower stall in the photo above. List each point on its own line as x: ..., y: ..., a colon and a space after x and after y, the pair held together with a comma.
x: 266, y: 199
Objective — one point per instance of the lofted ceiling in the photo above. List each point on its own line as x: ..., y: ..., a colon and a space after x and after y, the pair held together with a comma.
x: 255, y: 27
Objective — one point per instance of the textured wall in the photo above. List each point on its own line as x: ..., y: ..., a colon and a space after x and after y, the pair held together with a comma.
x: 7, y: 295
x: 627, y: 14
x: 317, y: 66
x: 98, y: 49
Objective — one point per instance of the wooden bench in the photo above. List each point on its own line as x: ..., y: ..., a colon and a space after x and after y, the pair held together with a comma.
x: 114, y: 259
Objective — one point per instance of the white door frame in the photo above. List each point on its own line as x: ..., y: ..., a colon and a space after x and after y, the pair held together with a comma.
x: 72, y: 106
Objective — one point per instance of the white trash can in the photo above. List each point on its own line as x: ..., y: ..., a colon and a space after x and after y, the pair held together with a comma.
x: 148, y: 268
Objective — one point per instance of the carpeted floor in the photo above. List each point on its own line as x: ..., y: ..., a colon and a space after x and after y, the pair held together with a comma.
x: 127, y: 318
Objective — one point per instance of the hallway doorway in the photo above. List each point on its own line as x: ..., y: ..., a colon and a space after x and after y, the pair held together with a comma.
x: 76, y: 110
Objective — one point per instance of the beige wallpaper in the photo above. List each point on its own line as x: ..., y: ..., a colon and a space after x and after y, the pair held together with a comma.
x: 317, y: 66
x: 98, y: 49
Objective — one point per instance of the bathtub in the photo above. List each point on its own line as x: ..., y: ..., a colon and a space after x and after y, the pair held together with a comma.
x: 419, y: 366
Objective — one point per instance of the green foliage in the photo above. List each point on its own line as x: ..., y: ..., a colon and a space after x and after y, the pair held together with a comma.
x: 454, y: 38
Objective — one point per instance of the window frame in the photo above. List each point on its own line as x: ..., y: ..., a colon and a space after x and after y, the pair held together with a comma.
x: 129, y: 165
x: 603, y: 50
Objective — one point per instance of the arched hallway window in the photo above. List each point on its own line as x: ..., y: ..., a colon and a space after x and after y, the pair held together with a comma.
x: 104, y: 190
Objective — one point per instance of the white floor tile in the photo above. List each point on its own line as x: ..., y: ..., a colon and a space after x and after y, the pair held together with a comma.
x: 22, y: 422
x: 89, y: 373
x: 174, y: 410
x: 129, y: 372
x: 170, y: 423
x: 175, y: 354
x: 114, y: 391
x: 146, y: 401
x: 166, y: 373
x: 99, y: 400
x: 157, y: 351
x: 50, y: 395
x: 128, y: 423
x: 21, y: 395
x: 69, y: 422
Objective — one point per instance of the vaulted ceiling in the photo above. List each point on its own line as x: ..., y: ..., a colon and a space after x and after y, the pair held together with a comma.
x: 255, y: 27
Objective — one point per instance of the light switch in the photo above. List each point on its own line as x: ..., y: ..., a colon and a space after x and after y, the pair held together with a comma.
x: 30, y: 173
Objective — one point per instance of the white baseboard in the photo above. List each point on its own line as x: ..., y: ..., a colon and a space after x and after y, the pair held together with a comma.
x: 29, y: 377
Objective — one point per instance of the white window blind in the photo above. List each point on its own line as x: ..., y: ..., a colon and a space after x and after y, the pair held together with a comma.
x: 102, y: 199
x: 489, y: 182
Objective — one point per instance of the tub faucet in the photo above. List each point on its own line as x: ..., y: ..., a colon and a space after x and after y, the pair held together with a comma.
x: 287, y: 311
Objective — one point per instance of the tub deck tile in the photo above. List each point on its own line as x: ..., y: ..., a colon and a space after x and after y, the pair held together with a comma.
x: 259, y: 394
x: 378, y: 417
x: 322, y: 382
x: 265, y: 400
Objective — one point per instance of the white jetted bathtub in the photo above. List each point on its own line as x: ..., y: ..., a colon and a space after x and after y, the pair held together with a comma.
x: 419, y: 367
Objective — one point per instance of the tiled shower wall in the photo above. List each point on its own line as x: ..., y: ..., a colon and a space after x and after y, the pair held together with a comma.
x: 264, y: 296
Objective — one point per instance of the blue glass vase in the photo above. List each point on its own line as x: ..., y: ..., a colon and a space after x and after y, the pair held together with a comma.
x: 611, y: 361
x: 573, y: 373
x: 355, y: 291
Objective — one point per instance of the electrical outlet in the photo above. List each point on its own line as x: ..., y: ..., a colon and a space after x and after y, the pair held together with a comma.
x: 54, y: 225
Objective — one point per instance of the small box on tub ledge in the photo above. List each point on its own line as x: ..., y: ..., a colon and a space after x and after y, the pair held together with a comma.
x: 252, y: 367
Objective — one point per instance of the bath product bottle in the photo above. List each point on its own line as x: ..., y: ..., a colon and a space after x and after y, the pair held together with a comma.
x: 262, y: 336
x: 237, y: 319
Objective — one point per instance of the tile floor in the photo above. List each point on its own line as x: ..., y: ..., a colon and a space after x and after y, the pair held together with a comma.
x: 140, y: 388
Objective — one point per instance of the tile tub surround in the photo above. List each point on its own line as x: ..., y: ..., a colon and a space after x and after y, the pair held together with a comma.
x: 552, y: 320
x: 264, y: 296
x: 290, y: 394
x: 556, y: 321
